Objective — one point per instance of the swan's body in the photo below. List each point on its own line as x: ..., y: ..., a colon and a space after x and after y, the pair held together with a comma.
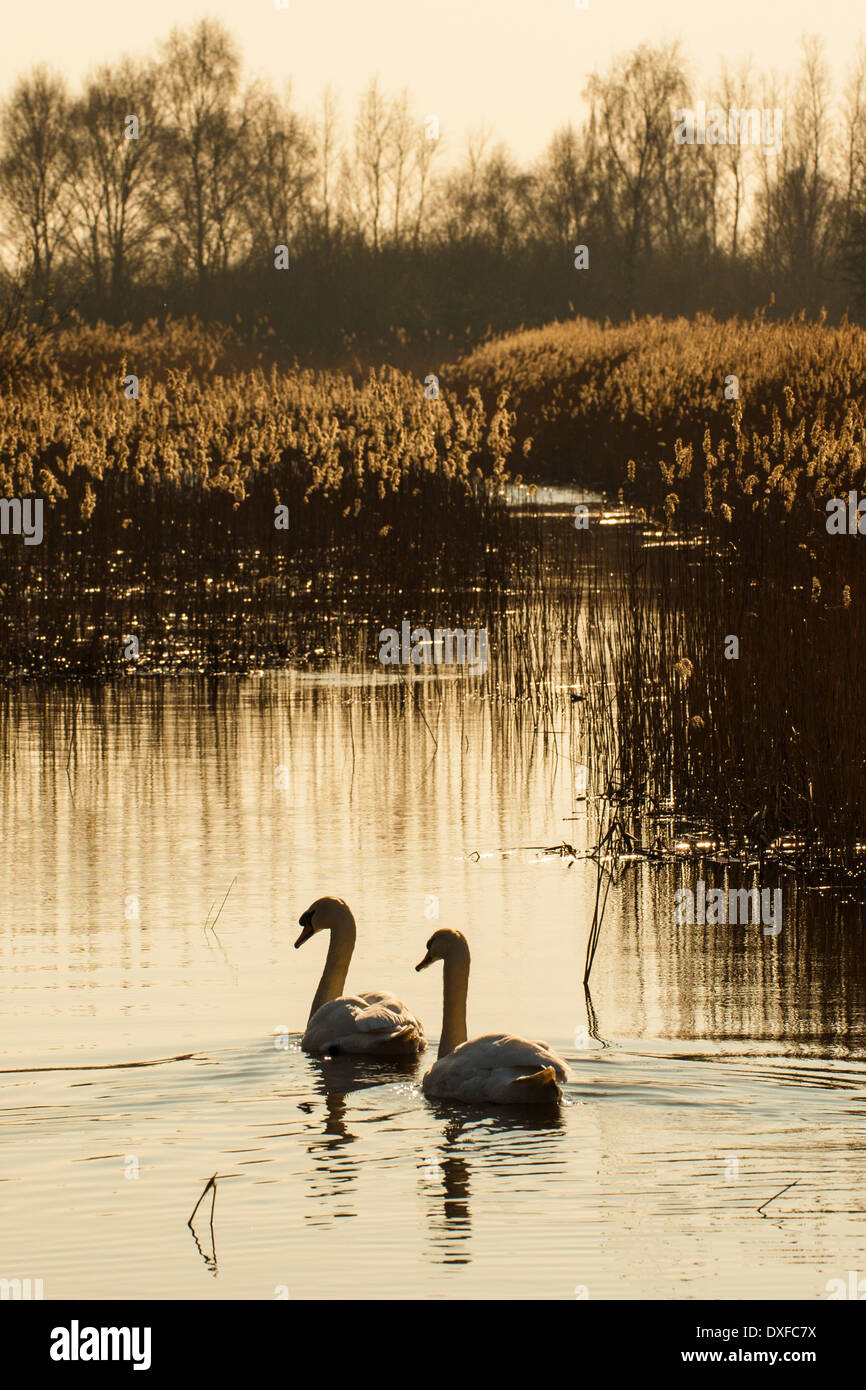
x: 373, y: 1024
x: 496, y: 1067
x: 364, y: 1023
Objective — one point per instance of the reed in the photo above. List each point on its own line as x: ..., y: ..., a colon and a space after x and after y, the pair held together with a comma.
x: 587, y: 398
x: 161, y: 512
x: 609, y: 643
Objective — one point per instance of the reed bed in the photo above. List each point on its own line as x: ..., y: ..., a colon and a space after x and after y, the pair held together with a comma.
x: 757, y: 755
x: 161, y: 512
x: 589, y: 397
x: 761, y: 750
x: 609, y: 642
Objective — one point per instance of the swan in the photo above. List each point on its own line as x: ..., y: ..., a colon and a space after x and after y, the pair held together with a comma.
x: 496, y: 1067
x: 371, y: 1024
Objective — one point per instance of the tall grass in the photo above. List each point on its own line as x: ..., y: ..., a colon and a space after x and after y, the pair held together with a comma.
x: 587, y: 397
x: 759, y: 753
x: 763, y: 749
x: 610, y: 643
x: 161, y: 511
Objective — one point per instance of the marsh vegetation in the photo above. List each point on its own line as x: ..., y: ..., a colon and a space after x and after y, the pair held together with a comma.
x: 241, y: 514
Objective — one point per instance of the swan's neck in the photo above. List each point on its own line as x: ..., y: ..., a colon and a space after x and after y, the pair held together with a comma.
x: 455, y: 990
x: 340, y: 949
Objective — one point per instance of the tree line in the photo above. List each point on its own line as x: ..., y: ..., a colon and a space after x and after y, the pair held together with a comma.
x: 166, y: 185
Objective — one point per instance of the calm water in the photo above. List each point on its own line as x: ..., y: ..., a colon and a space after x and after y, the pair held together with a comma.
x: 143, y: 1053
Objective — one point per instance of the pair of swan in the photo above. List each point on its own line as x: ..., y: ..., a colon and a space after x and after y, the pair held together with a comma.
x: 496, y: 1067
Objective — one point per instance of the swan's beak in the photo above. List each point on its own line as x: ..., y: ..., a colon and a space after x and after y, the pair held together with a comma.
x: 428, y: 960
x: 305, y: 921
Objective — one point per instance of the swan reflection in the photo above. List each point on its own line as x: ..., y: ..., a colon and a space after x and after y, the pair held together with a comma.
x: 335, y: 1172
x: 486, y: 1140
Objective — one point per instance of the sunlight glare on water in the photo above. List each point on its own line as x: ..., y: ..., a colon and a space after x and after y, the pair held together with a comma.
x: 150, y: 1052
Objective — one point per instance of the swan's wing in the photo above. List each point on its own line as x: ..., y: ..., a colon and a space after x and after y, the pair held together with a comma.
x: 383, y: 1012
x: 352, y: 1015
x: 332, y: 1020
x: 494, y: 1050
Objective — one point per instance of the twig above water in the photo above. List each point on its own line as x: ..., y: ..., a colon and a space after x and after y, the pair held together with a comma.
x: 222, y: 905
x: 209, y: 1259
x: 778, y: 1194
x: 211, y: 1183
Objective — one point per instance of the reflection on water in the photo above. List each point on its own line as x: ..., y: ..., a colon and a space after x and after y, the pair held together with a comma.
x: 449, y: 1210
x: 733, y: 1065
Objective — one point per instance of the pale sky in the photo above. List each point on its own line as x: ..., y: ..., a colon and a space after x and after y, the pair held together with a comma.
x: 516, y: 67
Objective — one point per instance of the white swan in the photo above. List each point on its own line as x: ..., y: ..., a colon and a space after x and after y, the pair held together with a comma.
x: 496, y: 1067
x: 371, y: 1024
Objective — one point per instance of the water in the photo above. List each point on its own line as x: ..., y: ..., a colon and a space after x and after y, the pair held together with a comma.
x: 144, y: 1052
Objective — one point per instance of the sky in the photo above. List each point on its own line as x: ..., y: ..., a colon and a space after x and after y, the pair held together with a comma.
x: 514, y: 67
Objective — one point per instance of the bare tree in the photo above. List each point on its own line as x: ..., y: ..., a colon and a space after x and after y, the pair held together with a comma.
x: 113, y: 148
x: 34, y: 169
x: 205, y: 148
x: 735, y: 94
x: 854, y: 126
x: 281, y: 178
x: 799, y: 204
x: 563, y: 188
x: 373, y: 160
x: 327, y: 164
x: 427, y: 151
x: 484, y: 201
x: 631, y: 136
x: 401, y: 168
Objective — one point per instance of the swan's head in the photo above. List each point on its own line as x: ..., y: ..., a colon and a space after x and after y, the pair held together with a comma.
x: 325, y: 914
x: 444, y: 944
